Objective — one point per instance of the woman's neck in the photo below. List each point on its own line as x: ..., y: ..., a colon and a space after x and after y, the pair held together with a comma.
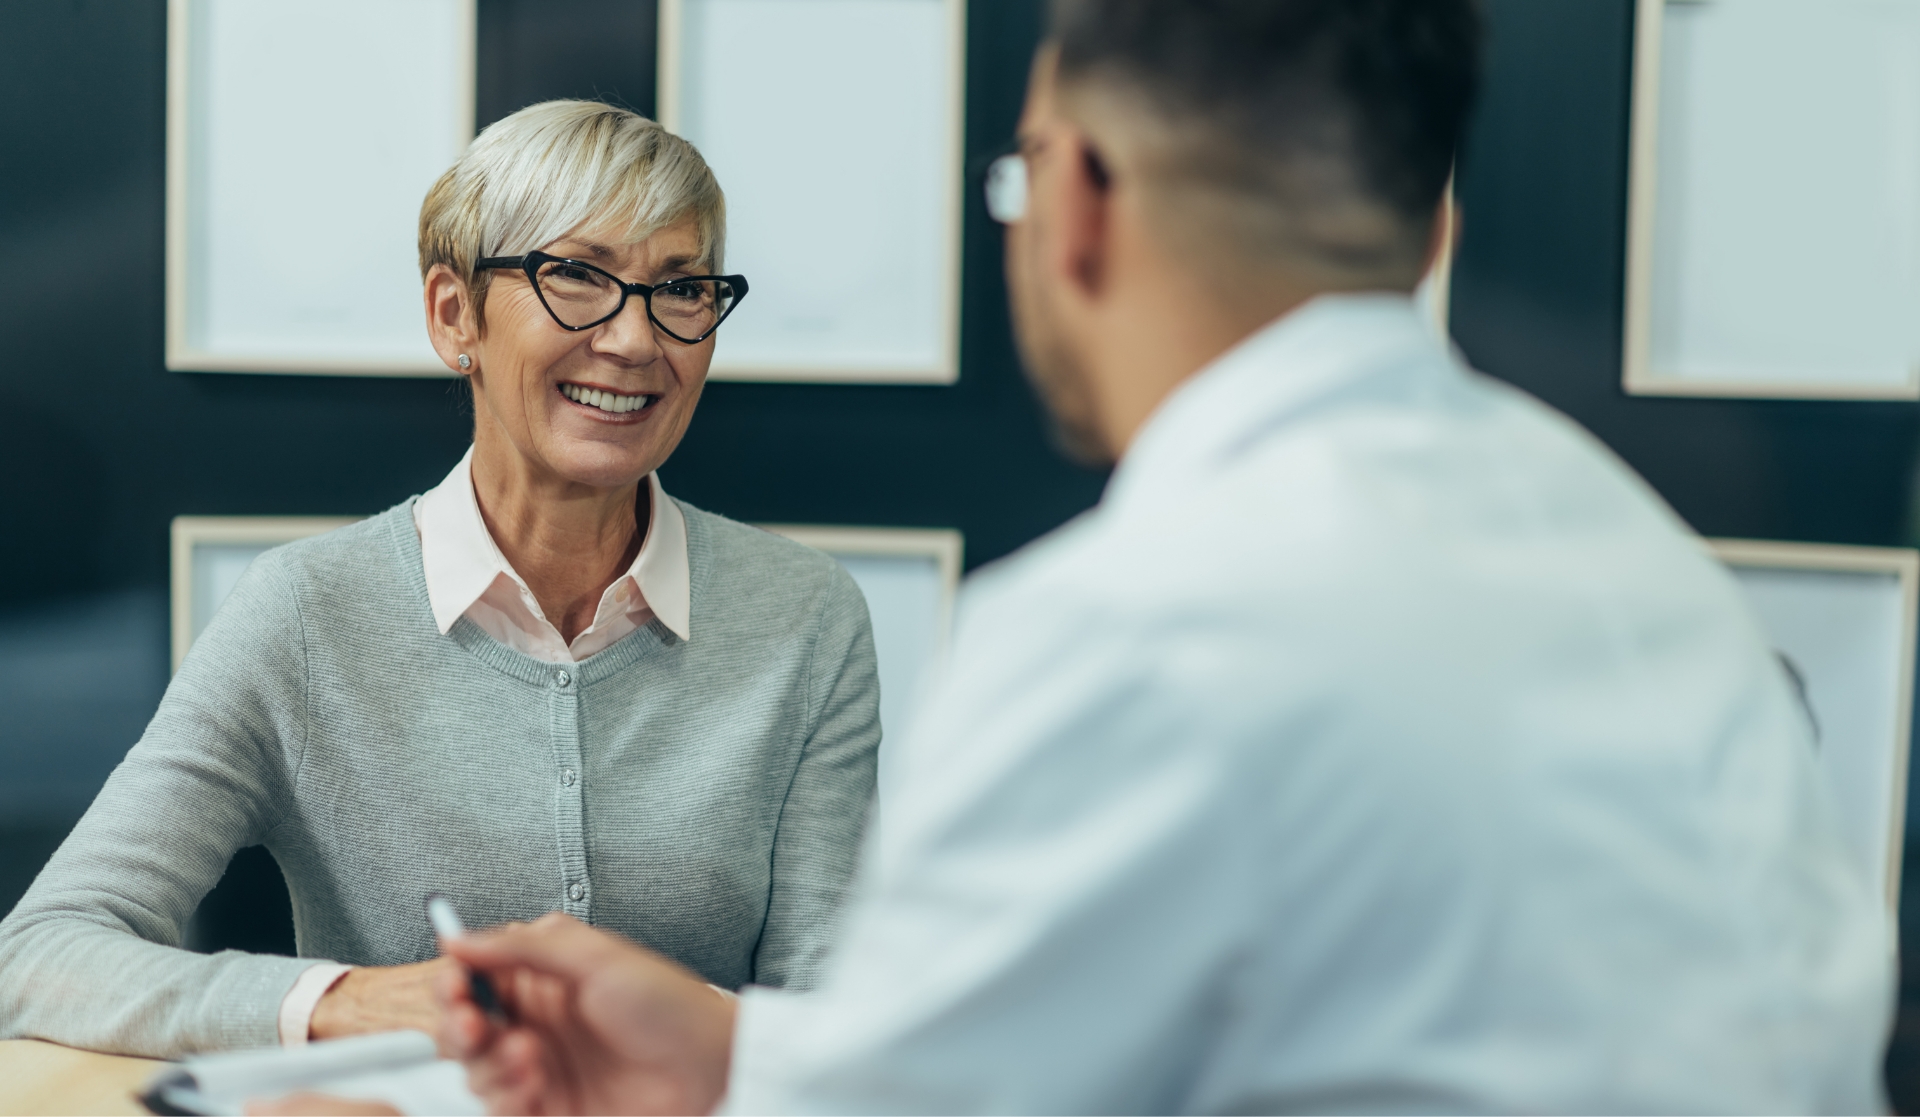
x: 566, y: 540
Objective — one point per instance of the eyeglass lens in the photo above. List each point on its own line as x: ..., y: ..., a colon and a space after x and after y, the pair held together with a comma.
x: 580, y: 296
x: 1007, y: 188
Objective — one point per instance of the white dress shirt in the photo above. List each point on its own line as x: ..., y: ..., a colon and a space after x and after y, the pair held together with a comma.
x: 467, y: 576
x: 1380, y: 743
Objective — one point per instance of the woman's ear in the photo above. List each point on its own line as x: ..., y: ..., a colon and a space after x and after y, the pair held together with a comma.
x: 451, y: 322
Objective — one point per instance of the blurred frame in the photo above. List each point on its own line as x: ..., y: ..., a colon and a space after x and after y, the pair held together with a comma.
x: 847, y: 221
x: 1758, y: 261
x: 910, y: 577
x: 1844, y: 620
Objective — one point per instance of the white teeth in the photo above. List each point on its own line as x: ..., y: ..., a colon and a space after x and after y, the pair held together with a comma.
x: 605, y: 401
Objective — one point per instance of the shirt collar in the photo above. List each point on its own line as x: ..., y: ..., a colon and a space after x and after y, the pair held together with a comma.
x: 1306, y: 355
x: 461, y: 560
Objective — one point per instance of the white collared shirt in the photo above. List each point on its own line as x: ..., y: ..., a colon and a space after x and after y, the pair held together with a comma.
x: 1441, y: 770
x: 467, y: 576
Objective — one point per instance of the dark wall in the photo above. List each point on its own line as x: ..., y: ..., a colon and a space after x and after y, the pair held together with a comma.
x: 100, y: 446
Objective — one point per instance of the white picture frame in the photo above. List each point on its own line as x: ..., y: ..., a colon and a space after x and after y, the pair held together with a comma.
x: 1845, y: 618
x: 911, y: 578
x: 301, y: 140
x: 209, y: 553
x: 827, y: 185
x: 1770, y: 246
x: 909, y: 575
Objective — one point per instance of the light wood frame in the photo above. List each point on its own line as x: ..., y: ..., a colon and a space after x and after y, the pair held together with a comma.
x: 1901, y: 562
x: 265, y: 531
x: 672, y: 16
x: 1639, y: 376
x: 181, y: 355
x: 943, y: 545
x: 1438, y: 282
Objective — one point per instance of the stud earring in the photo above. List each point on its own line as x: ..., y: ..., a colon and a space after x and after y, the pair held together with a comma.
x: 466, y: 361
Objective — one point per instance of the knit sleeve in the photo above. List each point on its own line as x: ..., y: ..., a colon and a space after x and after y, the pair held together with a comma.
x: 92, y: 954
x: 818, y: 840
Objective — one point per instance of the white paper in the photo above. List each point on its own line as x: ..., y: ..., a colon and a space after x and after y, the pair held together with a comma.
x: 829, y: 126
x: 1786, y: 244
x: 399, y: 1068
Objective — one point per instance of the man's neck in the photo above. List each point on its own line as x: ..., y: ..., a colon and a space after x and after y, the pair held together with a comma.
x: 1140, y: 367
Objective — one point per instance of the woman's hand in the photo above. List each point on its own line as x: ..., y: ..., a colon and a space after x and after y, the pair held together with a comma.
x: 381, y: 999
x: 596, y: 1024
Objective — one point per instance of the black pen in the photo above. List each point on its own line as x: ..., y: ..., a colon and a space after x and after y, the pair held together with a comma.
x: 447, y: 926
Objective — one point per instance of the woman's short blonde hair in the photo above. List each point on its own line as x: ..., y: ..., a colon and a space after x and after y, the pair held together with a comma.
x: 558, y: 166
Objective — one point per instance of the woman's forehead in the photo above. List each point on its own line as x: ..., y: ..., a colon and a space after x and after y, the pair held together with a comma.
x: 676, y: 244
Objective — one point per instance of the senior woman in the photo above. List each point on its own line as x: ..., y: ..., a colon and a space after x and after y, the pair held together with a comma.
x: 545, y: 685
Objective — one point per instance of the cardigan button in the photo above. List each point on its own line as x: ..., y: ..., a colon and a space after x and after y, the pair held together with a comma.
x: 562, y: 679
x: 566, y: 780
x: 575, y: 892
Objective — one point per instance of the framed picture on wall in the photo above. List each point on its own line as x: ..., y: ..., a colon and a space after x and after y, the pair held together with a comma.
x: 211, y: 552
x: 910, y: 577
x: 1773, y: 245
x: 834, y: 126
x: 1842, y: 621
x: 301, y: 139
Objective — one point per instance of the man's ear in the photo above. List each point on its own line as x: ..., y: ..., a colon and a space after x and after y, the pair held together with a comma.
x: 1446, y: 231
x: 451, y: 325
x: 1074, y: 218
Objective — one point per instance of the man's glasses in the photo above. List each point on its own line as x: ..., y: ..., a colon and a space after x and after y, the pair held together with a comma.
x: 1007, y: 188
x: 581, y: 296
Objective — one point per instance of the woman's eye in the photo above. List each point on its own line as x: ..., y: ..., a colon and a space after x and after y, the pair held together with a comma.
x: 572, y: 273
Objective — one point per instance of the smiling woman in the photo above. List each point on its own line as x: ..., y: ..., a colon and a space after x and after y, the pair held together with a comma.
x: 544, y: 685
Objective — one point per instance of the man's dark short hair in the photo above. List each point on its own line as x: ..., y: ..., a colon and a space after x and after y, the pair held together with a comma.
x: 1290, y: 102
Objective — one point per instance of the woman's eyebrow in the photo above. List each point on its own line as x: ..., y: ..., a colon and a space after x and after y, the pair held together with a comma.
x: 582, y: 248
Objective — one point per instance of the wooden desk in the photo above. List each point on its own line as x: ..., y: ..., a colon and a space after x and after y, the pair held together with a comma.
x: 37, y: 1077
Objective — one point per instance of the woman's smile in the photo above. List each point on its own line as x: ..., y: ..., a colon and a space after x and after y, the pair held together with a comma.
x: 608, y: 405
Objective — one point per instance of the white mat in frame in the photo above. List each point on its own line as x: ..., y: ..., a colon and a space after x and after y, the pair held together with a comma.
x: 301, y: 139
x: 908, y: 575
x: 1844, y: 617
x: 835, y: 127
x: 1774, y: 220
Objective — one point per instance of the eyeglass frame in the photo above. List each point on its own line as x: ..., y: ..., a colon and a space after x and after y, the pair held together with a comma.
x: 1007, y: 171
x: 529, y: 265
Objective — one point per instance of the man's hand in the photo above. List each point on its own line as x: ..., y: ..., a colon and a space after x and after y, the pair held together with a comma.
x: 598, y: 1025
x: 309, y: 1104
x: 381, y: 999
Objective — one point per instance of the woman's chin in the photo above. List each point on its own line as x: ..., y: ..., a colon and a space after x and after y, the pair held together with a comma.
x: 598, y: 464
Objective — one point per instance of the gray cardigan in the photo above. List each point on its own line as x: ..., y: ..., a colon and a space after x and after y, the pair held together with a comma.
x: 704, y: 797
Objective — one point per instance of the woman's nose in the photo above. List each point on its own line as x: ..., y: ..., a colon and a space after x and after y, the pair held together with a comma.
x: 628, y: 335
